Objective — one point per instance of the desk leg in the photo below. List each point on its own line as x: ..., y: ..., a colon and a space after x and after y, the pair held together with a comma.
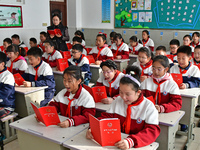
x: 121, y: 65
x: 95, y: 74
x: 59, y: 83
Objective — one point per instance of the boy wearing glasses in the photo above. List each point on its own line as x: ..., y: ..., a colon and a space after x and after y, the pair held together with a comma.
x: 174, y: 45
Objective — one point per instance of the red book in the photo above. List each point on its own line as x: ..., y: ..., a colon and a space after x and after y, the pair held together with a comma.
x: 18, y: 79
x: 107, y: 131
x: 54, y: 32
x: 62, y: 64
x: 91, y: 59
x: 66, y: 54
x: 47, y: 115
x: 69, y: 46
x: 97, y: 92
x: 151, y: 99
x: 170, y: 57
x: 2, y: 48
x: 177, y: 78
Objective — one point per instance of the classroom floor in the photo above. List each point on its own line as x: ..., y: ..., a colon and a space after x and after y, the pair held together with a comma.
x: 179, y: 142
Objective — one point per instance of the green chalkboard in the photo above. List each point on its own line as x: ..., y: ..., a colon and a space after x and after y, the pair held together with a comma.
x: 157, y: 14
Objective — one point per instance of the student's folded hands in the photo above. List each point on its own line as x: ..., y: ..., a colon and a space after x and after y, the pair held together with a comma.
x: 107, y: 100
x: 64, y: 124
x: 123, y: 144
x: 27, y: 83
x: 183, y: 86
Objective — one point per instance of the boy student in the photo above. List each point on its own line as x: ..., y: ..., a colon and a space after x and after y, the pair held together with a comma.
x: 6, y: 42
x: 190, y: 72
x: 195, y: 38
x: 196, y: 59
x: 43, y: 37
x: 80, y: 60
x: 174, y: 45
x: 16, y: 40
x: 33, y: 42
x: 39, y: 73
x: 78, y: 40
x: 7, y: 89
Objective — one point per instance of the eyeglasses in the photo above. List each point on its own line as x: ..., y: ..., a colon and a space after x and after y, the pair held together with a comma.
x: 158, y: 69
x: 73, y: 52
x: 107, y: 72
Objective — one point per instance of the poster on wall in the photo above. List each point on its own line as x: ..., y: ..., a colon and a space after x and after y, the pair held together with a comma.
x: 105, y: 11
x: 10, y: 16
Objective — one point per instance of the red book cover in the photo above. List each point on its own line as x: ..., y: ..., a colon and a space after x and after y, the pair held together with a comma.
x: 55, y: 31
x: 107, y: 131
x: 177, y: 78
x: 97, y: 92
x: 66, y: 54
x: 47, y: 115
x: 91, y: 59
x: 69, y: 46
x: 62, y: 64
x: 18, y: 79
x: 151, y: 99
x: 26, y: 49
x: 170, y: 57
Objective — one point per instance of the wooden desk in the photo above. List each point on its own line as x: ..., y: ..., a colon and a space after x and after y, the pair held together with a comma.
x: 25, y: 95
x: 133, y: 58
x: 79, y: 142
x: 121, y: 64
x: 95, y: 70
x: 36, y: 136
x: 168, y: 123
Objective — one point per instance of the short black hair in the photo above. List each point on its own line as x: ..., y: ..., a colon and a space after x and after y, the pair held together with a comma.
x: 163, y: 60
x: 102, y: 36
x: 51, y: 43
x: 35, y: 51
x: 185, y: 49
x: 118, y: 36
x: 78, y: 47
x: 57, y: 15
x: 197, y: 47
x: 147, y: 51
x: 33, y: 40
x: 74, y: 71
x: 136, y: 69
x: 3, y: 57
x: 77, y: 39
x: 8, y: 40
x: 112, y: 34
x: 197, y: 34
x: 15, y: 36
x: 189, y: 36
x: 161, y: 48
x: 15, y: 48
x: 43, y: 33
x: 78, y: 32
x: 133, y: 38
x: 109, y: 63
x: 174, y: 42
x: 147, y: 32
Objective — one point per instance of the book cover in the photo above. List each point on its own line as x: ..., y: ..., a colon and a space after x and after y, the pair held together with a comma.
x: 91, y: 59
x: 18, y: 79
x: 47, y: 115
x: 69, y: 46
x: 66, y: 54
x: 62, y: 64
x: 54, y: 32
x: 177, y: 78
x: 106, y: 132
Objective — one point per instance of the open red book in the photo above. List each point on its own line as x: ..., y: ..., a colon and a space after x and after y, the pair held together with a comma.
x: 55, y: 31
x: 107, y: 131
x: 47, y: 115
x: 151, y: 99
x: 91, y: 59
x: 69, y: 46
x: 97, y: 92
x: 170, y: 57
x: 18, y: 79
x: 62, y: 64
x: 177, y: 78
x: 66, y: 54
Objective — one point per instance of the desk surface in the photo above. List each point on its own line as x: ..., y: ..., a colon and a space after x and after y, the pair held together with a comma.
x: 28, y: 90
x: 121, y: 60
x: 57, y: 71
x: 80, y: 142
x: 192, y: 92
x: 170, y: 119
x: 133, y: 56
x: 94, y: 66
x: 102, y: 107
x: 53, y: 133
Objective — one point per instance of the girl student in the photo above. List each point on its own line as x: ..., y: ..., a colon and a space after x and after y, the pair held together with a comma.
x: 80, y: 34
x: 119, y: 48
x: 162, y: 87
x: 146, y: 40
x: 134, y: 46
x: 101, y: 52
x: 138, y: 116
x: 145, y: 57
x: 187, y: 40
x: 17, y: 62
x: 74, y: 101
x: 109, y: 77
x: 195, y: 38
x: 196, y: 60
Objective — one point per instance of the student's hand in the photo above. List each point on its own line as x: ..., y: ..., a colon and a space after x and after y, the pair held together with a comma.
x: 89, y: 134
x: 123, y: 144
x: 182, y: 86
x: 27, y: 84
x: 64, y: 124
x: 107, y: 100
x: 142, y: 78
x: 98, y: 62
x: 118, y: 57
x: 16, y: 85
x: 58, y: 35
x: 51, y: 36
x: 158, y: 108
x: 37, y: 119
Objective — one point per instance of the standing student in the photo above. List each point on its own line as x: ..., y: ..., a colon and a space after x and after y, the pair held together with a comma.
x: 196, y: 60
x: 146, y: 40
x: 174, y: 45
x: 187, y: 40
x: 109, y: 77
x: 16, y: 40
x: 38, y: 74
x: 134, y: 46
x: 101, y: 52
x: 138, y: 116
x: 78, y: 40
x: 59, y: 39
x: 80, y: 34
x: 162, y: 87
x: 43, y: 37
x: 6, y: 42
x: 195, y: 38
x: 119, y: 48
x: 17, y: 63
x: 74, y: 101
x: 7, y: 88
x: 112, y: 35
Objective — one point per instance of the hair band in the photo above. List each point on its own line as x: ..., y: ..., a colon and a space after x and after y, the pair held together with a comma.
x: 133, y: 79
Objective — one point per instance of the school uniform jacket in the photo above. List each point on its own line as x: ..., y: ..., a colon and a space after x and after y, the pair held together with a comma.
x: 174, y: 58
x: 191, y: 76
x: 196, y: 63
x: 22, y: 44
x: 113, y: 85
x: 105, y: 53
x: 194, y: 45
x: 83, y: 63
x: 82, y: 105
x: 7, y: 90
x: 147, y: 71
x: 170, y: 95
x: 149, y: 43
x: 83, y: 43
x: 144, y: 127
x: 136, y: 48
x: 42, y: 46
x: 51, y: 58
x: 123, y: 50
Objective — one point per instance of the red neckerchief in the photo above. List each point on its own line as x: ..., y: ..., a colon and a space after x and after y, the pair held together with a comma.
x: 118, y: 49
x: 127, y: 123
x: 158, y: 91
x: 195, y: 62
x: 11, y: 66
x: 99, y: 51
x: 144, y: 43
x: 184, y: 70
x: 194, y: 45
x: 147, y: 65
x: 110, y: 88
x: 80, y: 60
x: 51, y: 55
x: 36, y: 71
x: 134, y: 47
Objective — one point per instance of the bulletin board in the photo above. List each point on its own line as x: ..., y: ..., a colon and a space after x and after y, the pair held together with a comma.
x: 157, y: 14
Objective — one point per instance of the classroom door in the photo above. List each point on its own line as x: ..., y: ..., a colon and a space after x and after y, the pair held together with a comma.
x: 59, y: 7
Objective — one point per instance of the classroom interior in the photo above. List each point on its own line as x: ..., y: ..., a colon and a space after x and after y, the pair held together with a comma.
x: 85, y: 15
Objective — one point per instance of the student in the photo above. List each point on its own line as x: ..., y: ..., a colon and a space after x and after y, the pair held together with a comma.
x: 134, y: 46
x: 190, y: 72
x: 162, y: 87
x: 33, y: 42
x: 6, y: 42
x: 78, y: 59
x: 51, y: 55
x: 187, y: 40
x: 161, y: 50
x: 119, y: 48
x: 145, y: 57
x: 38, y: 74
x: 16, y: 40
x: 17, y: 62
x: 196, y: 59
x: 109, y: 77
x: 7, y: 88
x: 195, y: 38
x: 78, y: 40
x: 101, y: 52
x: 146, y: 40
x: 43, y: 37
x: 74, y: 101
x: 174, y: 45
x: 80, y: 34
x: 59, y: 39
x: 112, y: 35
x: 138, y: 116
